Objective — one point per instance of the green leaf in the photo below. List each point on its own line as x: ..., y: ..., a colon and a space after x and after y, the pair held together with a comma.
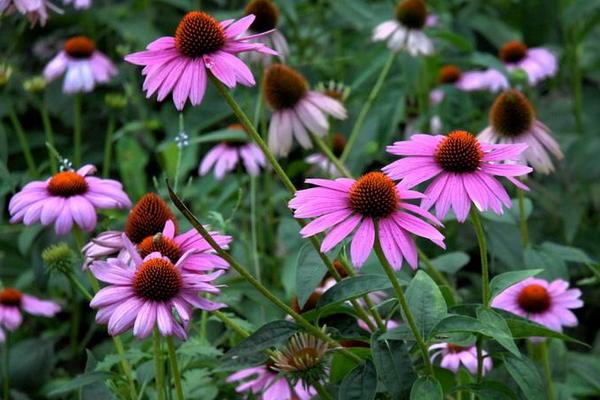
x: 490, y: 390
x: 493, y: 29
x: 459, y: 324
x: 568, y: 253
x: 132, y: 160
x: 499, y: 329
x: 553, y: 267
x: 309, y: 273
x: 511, y: 215
x: 360, y: 383
x: 268, y: 335
x: 426, y: 302
x: 426, y: 388
x: 341, y: 365
x: 353, y: 287
x: 507, y: 279
x: 525, y: 373
x: 80, y: 381
x: 523, y: 328
x: 394, y: 366
x: 458, y: 41
x: 450, y: 263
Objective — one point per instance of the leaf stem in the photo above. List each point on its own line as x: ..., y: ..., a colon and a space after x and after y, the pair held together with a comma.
x: 545, y: 359
x: 174, y: 368
x: 485, y: 273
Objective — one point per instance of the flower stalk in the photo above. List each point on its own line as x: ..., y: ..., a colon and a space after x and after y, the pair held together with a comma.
x: 23, y: 141
x: 174, y: 368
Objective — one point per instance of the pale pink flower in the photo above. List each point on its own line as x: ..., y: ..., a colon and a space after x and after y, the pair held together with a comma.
x: 269, y: 384
x: 468, y: 81
x: 35, y: 10
x: 373, y: 201
x: 85, y: 66
x: 267, y: 16
x: 462, y: 168
x: 454, y: 355
x: 201, y: 45
x: 79, y: 4
x: 226, y: 156
x: 13, y: 302
x: 539, y: 63
x: 67, y: 197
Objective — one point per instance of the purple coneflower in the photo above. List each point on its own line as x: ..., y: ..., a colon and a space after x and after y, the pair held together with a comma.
x: 34, y: 10
x: 201, y: 44
x: 454, y: 355
x: 269, y: 384
x: 538, y: 62
x: 226, y: 156
x: 462, y: 168
x: 338, y: 143
x: 84, y: 64
x: 468, y: 81
x: 512, y: 120
x: 267, y: 16
x: 13, y: 302
x: 67, y: 197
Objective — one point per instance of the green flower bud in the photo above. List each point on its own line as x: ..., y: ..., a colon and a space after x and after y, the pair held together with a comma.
x: 58, y: 258
x: 35, y: 85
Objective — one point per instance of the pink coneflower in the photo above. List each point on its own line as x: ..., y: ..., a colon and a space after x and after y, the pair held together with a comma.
x: 538, y: 62
x: 146, y: 292
x: 338, y: 143
x: 512, y: 120
x: 463, y: 169
x: 468, y: 81
x: 34, y: 10
x: 547, y: 303
x: 67, y: 197
x: 267, y: 15
x: 79, y: 4
x: 226, y: 156
x: 454, y: 355
x: 405, y: 32
x: 13, y: 301
x: 297, y: 110
x: 85, y: 66
x: 269, y: 384
x: 361, y: 205
x: 179, y: 64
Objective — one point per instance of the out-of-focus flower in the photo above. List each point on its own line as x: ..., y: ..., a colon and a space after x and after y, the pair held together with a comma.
x: 5, y: 73
x: 463, y: 170
x: 201, y: 45
x: 67, y: 197
x: 267, y: 15
x: 512, y: 120
x: 454, y: 355
x: 35, y: 10
x: 269, y: 384
x: 538, y: 62
x: 320, y: 160
x: 79, y: 4
x: 302, y: 359
x: 85, y: 66
x: 145, y: 293
x: 297, y: 110
x: 13, y: 302
x: 336, y: 90
x: 547, y: 303
x: 468, y: 81
x: 116, y: 101
x: 370, y: 202
x: 58, y: 258
x: 405, y: 32
x: 36, y: 84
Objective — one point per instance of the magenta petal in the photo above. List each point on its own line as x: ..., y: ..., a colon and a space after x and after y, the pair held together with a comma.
x: 339, y: 233
x: 362, y: 243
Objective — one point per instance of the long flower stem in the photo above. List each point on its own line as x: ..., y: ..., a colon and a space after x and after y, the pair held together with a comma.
x: 410, y: 319
x: 23, y: 141
x: 522, y: 218
x: 77, y: 130
x: 49, y: 134
x: 545, y: 359
x: 329, y: 154
x: 360, y: 120
x: 174, y: 368
x: 231, y: 324
x: 5, y: 373
x: 110, y: 129
x: 159, y: 370
x: 125, y: 366
x: 253, y: 281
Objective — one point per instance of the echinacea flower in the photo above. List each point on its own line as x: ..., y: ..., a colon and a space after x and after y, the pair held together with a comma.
x: 79, y: 4
x: 468, y: 81
x: 13, y: 302
x: 370, y: 202
x: 463, y: 170
x: 547, y: 303
x: 269, y: 384
x: 267, y: 15
x: 226, y: 156
x: 338, y: 143
x: 405, y: 32
x: 145, y: 293
x: 297, y: 110
x: 539, y: 63
x: 512, y: 120
x: 35, y: 10
x: 303, y: 359
x: 201, y: 45
x: 454, y: 355
x: 67, y: 197
x: 85, y: 66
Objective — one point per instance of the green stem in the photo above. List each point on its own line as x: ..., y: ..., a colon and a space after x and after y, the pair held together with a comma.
x: 125, y: 366
x: 329, y: 154
x: 24, y: 143
x: 545, y: 359
x: 77, y: 130
x: 367, y: 107
x: 159, y: 370
x: 253, y: 281
x: 5, y: 373
x: 410, y: 320
x: 110, y: 129
x: 321, y: 391
x: 49, y: 135
x: 436, y: 275
x: 523, y: 218
x: 231, y: 324
x: 253, y: 228
x: 75, y: 282
x: 174, y: 368
x: 485, y: 273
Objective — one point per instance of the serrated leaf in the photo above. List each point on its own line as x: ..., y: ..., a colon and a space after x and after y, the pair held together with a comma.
x: 360, y: 383
x: 426, y: 302
x: 309, y: 273
x: 426, y: 388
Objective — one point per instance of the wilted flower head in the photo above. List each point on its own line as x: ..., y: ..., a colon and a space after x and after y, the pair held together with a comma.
x: 454, y: 355
x: 512, y: 120
x: 405, y: 32
x: 85, y: 66
x: 267, y: 16
x: 201, y: 45
x: 303, y: 359
x: 538, y: 62
x: 297, y: 110
x: 13, y: 301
